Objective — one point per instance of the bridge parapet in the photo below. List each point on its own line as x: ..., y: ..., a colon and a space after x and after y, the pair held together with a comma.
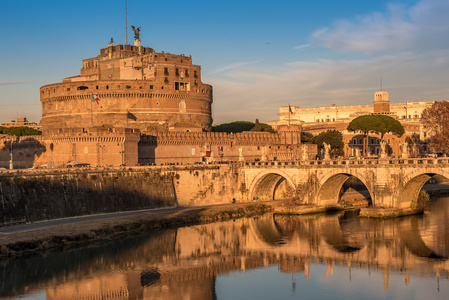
x: 390, y: 182
x: 414, y: 162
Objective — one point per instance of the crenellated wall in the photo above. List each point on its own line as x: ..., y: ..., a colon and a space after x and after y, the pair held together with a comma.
x: 191, y: 147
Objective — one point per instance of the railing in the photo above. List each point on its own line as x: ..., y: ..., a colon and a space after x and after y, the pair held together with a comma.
x: 415, y: 162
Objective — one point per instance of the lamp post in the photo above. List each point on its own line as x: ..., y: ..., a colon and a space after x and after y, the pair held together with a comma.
x: 11, y: 166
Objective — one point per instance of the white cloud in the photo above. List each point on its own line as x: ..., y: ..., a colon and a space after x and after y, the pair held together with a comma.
x: 400, y: 28
x: 258, y: 92
x: 233, y: 66
x: 14, y: 82
x: 301, y: 46
x: 416, y: 69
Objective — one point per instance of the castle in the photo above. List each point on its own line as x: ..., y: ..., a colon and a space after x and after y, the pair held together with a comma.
x: 133, y: 87
x: 131, y: 105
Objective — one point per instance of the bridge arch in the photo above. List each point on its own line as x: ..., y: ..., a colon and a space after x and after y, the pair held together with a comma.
x: 331, y: 184
x: 415, y: 182
x: 266, y: 185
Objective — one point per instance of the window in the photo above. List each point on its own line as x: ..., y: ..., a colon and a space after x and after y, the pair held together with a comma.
x: 166, y: 71
x: 151, y: 87
x: 82, y: 88
x: 182, y: 86
x: 193, y: 151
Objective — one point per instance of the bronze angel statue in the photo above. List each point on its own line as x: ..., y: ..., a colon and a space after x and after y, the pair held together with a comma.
x: 136, y: 32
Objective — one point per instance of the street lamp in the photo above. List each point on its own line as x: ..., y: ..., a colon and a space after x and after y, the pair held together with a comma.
x: 11, y: 166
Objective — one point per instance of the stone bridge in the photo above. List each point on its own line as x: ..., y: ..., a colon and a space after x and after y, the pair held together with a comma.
x: 391, y: 183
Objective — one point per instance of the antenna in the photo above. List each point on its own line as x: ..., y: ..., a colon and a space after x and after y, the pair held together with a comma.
x: 126, y: 20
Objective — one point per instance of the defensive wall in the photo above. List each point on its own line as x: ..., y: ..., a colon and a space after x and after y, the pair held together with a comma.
x: 191, y: 147
x: 25, y: 150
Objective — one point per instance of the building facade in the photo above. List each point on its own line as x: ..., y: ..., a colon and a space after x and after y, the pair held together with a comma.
x: 320, y: 119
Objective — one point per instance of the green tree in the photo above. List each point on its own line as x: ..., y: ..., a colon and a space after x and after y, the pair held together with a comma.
x: 436, y: 122
x: 332, y: 137
x: 19, y: 131
x: 377, y: 124
x: 240, y: 126
x: 306, y: 137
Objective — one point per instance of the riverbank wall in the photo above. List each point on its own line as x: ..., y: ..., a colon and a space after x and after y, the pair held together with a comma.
x: 38, y: 195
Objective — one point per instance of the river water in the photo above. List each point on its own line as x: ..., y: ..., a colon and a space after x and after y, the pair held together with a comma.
x: 337, y: 256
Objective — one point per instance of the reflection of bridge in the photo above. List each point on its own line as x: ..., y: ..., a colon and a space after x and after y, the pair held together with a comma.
x: 391, y: 183
x: 176, y: 264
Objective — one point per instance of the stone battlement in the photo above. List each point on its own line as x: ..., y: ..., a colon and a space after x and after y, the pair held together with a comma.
x: 183, y: 138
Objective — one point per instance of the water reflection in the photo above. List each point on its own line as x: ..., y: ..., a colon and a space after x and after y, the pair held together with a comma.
x: 191, y: 262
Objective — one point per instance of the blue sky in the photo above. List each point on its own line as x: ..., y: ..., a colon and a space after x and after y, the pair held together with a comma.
x: 257, y: 55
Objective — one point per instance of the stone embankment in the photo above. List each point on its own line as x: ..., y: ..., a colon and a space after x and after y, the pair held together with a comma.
x: 108, y: 229
x: 37, y: 196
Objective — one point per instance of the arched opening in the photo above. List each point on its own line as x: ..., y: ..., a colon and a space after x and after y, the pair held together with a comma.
x: 433, y: 184
x: 273, y: 186
x: 411, y: 190
x: 344, y: 189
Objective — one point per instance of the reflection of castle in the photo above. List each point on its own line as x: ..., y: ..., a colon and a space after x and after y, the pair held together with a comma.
x: 323, y: 118
x: 183, y: 263
x: 131, y: 105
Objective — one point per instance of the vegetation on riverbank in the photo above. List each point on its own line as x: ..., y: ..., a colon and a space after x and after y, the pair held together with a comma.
x: 81, y: 233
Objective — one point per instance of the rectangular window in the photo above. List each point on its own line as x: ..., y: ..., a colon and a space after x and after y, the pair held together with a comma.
x: 182, y: 86
x: 193, y: 151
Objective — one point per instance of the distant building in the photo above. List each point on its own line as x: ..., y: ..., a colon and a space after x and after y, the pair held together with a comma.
x: 22, y: 121
x: 323, y: 118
